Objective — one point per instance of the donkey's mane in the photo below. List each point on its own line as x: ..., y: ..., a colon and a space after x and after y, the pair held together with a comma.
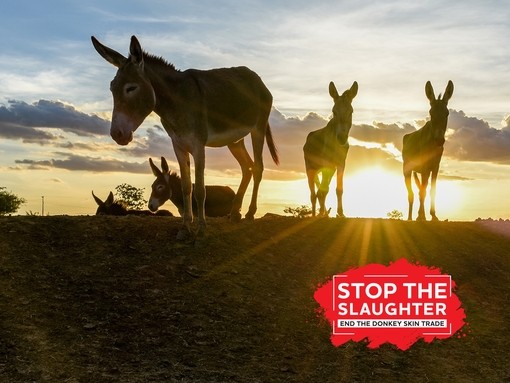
x: 158, y: 61
x: 174, y: 175
x: 121, y: 203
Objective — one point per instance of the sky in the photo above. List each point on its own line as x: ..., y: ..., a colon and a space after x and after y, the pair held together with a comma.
x: 55, y: 103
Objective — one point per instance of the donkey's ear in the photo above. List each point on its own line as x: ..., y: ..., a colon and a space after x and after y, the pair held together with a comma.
x: 113, y: 57
x: 332, y: 90
x: 109, y: 200
x: 164, y: 165
x: 354, y: 90
x: 98, y: 201
x: 429, y: 91
x: 448, y: 92
x: 154, y: 168
x: 135, y: 51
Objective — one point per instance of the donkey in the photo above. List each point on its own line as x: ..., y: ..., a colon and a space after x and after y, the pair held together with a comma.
x: 422, y: 151
x: 198, y: 108
x: 167, y: 186
x: 119, y: 208
x: 325, y: 150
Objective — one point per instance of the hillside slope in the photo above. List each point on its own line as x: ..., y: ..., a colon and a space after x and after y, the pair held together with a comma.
x: 117, y: 299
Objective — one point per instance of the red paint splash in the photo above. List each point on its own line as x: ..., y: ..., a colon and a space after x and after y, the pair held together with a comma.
x: 403, y: 280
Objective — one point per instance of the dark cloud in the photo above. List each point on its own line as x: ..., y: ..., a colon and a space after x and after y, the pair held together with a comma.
x: 84, y: 163
x: 155, y: 143
x: 20, y: 120
x: 474, y: 140
x: 13, y: 131
x: 469, y: 139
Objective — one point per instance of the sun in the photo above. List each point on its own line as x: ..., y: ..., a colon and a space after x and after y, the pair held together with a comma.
x: 373, y: 192
x: 370, y: 192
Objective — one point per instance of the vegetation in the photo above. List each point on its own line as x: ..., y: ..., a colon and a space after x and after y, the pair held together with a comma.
x: 9, y: 202
x: 131, y: 195
x: 298, y: 212
x: 395, y: 214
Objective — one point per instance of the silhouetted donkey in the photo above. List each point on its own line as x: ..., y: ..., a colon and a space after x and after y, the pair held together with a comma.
x: 198, y: 108
x: 115, y: 207
x: 325, y: 150
x: 423, y: 149
x: 167, y: 186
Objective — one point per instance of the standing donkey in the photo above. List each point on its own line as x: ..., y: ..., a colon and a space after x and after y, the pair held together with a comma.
x: 422, y: 151
x: 325, y: 150
x: 198, y: 108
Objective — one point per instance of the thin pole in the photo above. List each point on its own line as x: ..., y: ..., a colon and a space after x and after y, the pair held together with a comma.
x: 42, y: 210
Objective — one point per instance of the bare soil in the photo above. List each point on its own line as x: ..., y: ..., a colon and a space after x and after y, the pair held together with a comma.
x: 118, y: 299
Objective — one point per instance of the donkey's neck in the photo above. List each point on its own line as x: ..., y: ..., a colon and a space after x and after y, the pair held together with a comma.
x: 174, y: 183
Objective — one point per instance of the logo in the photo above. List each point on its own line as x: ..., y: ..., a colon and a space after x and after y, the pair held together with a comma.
x: 398, y: 304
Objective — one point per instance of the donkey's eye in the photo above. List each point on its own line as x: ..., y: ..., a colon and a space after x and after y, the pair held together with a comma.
x: 130, y: 88
x: 160, y: 187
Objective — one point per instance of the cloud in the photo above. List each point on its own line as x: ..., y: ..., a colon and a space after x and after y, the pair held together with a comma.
x: 472, y: 139
x: 469, y: 139
x: 13, y: 131
x: 84, y: 163
x: 21, y: 120
x: 382, y: 133
x: 155, y: 143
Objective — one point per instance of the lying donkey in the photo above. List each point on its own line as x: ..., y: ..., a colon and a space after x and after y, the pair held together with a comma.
x: 218, y: 199
x: 111, y: 207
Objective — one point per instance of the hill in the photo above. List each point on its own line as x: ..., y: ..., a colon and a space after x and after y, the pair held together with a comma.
x: 117, y: 299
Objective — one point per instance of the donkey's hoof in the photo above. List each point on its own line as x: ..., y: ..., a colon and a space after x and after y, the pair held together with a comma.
x: 341, y: 216
x: 249, y: 216
x: 434, y: 218
x: 235, y: 217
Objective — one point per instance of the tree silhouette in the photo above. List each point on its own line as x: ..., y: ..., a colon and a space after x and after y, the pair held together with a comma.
x: 131, y: 195
x: 9, y: 202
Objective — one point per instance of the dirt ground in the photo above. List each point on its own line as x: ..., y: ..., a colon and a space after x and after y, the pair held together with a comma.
x: 118, y: 299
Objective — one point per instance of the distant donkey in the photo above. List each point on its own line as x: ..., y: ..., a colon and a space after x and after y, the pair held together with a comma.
x: 325, y: 150
x: 115, y: 207
x: 167, y: 186
x: 423, y: 149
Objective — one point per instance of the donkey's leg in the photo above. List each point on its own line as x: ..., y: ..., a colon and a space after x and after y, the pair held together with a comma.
x: 410, y: 194
x: 257, y: 139
x: 199, y: 191
x: 433, y: 195
x: 311, y: 175
x: 327, y: 174
x: 240, y: 153
x: 423, y: 192
x: 340, y: 190
x: 184, y: 166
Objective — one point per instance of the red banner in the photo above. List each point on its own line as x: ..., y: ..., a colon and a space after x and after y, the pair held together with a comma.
x: 399, y: 304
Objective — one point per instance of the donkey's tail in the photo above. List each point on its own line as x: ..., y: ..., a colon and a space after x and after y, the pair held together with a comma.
x: 417, y: 180
x: 271, y: 145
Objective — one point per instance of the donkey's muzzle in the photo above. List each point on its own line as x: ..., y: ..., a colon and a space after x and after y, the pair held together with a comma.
x: 121, y: 137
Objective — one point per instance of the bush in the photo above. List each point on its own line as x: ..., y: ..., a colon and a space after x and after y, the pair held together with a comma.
x: 131, y: 195
x: 299, y: 212
x: 395, y: 214
x: 9, y: 202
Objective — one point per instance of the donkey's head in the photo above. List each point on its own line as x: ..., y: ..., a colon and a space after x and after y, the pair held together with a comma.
x: 439, y: 111
x: 133, y: 94
x: 109, y: 206
x: 342, y: 110
x: 161, y: 187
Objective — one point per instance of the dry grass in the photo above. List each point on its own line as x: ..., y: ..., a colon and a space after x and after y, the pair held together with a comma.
x: 107, y: 299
